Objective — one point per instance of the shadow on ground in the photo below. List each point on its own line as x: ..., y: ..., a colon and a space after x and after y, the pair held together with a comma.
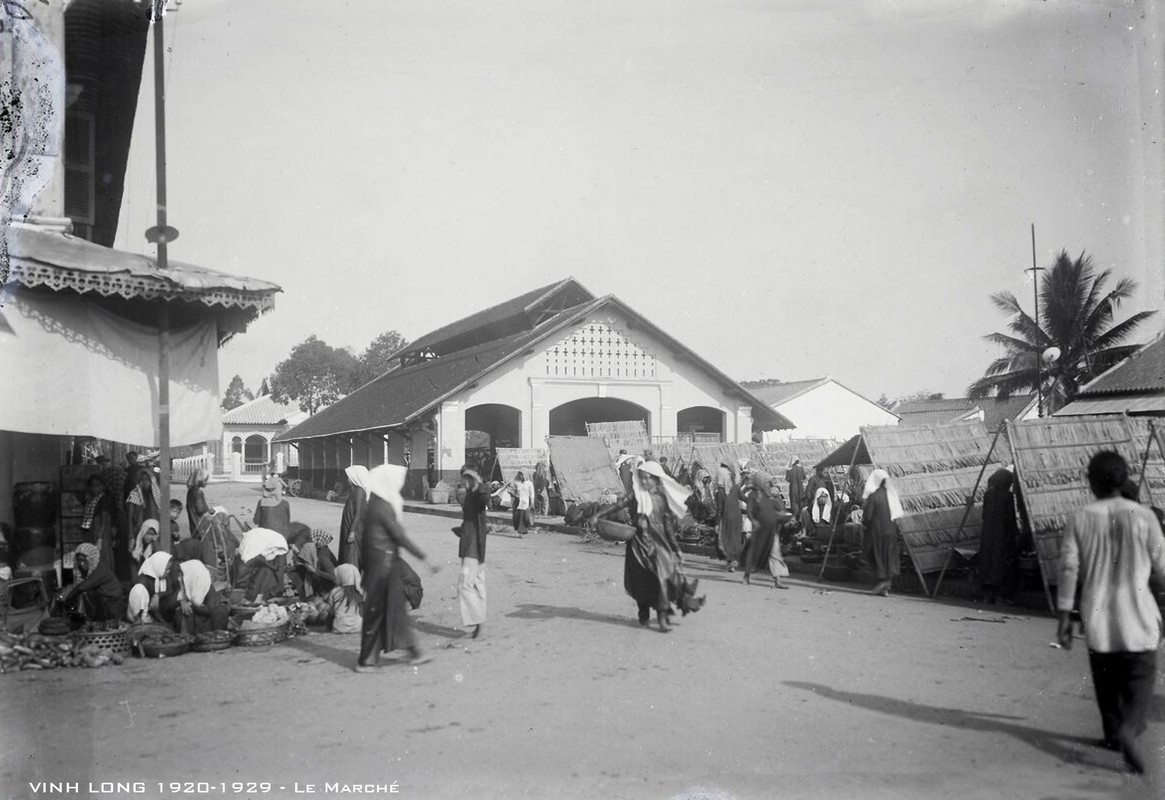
x: 1072, y: 749
x: 534, y: 611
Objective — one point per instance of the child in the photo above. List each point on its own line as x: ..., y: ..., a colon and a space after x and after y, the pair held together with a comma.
x: 175, y: 513
x: 346, y: 601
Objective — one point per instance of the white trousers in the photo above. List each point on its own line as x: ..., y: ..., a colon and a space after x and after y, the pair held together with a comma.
x: 471, y: 591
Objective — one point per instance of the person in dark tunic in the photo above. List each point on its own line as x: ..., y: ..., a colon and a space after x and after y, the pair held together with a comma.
x: 758, y: 551
x: 624, y: 464
x: 999, y: 540
x: 273, y: 512
x: 653, y: 574
x: 386, y: 625
x: 98, y: 522
x: 97, y: 592
x: 881, y: 509
x: 352, y: 520
x: 472, y: 532
x: 728, y: 511
x: 190, y: 604
x: 196, y: 504
x: 795, y: 475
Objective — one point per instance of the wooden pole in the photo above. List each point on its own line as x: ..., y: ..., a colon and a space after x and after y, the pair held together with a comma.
x: 833, y: 528
x: 1145, y: 459
x: 967, y: 509
x: 163, y: 264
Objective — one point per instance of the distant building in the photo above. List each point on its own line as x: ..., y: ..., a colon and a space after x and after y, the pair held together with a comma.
x: 544, y: 363
x: 821, y: 408
x: 992, y: 411
x: 250, y: 429
x: 1135, y: 386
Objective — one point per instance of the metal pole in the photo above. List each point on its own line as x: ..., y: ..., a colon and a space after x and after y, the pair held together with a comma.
x: 163, y: 264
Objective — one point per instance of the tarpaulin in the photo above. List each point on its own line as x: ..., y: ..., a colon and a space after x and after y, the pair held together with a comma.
x: 583, y: 467
x: 71, y: 368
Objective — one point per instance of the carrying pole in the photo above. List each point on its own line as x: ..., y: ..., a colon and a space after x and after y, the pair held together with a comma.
x: 967, y: 509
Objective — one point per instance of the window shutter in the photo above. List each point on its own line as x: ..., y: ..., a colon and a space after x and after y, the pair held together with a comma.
x: 80, y: 168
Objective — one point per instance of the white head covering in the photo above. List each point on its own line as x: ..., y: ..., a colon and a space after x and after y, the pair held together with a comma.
x: 385, y: 482
x: 262, y: 542
x: 140, y: 548
x: 676, y: 494
x: 195, y: 581
x: 742, y: 464
x: 347, y: 575
x: 358, y: 476
x: 796, y: 460
x: 876, y: 479
x: 822, y: 514
x: 139, y: 603
x: 155, y: 567
x: 623, y: 459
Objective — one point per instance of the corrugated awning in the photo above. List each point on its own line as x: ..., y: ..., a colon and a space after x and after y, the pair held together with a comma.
x: 47, y: 259
x: 1144, y: 404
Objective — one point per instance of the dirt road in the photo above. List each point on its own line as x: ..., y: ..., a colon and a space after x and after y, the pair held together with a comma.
x: 808, y: 693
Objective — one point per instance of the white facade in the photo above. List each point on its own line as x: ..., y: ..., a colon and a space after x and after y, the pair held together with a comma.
x: 829, y: 411
x: 606, y: 356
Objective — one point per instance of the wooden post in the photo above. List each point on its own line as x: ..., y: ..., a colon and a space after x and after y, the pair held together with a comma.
x: 967, y: 510
x: 833, y: 528
x: 163, y: 264
x: 1145, y: 459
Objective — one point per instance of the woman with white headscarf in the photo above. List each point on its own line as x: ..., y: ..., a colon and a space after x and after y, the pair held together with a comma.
x: 261, y: 563
x: 386, y: 625
x: 192, y: 605
x: 881, y: 508
x: 653, y: 567
x: 352, y: 520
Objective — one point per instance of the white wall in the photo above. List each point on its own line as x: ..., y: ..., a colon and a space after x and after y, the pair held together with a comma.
x: 525, y: 385
x: 829, y: 411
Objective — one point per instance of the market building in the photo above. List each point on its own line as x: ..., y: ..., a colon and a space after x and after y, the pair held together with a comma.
x: 1136, y: 386
x: 80, y: 344
x: 993, y: 412
x: 545, y: 363
x: 821, y: 408
x: 249, y: 431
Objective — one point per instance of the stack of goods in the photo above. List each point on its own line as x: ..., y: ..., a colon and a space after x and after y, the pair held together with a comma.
x: 268, y: 625
x: 39, y: 652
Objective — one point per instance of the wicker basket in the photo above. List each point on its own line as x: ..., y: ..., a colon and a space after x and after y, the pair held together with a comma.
x: 261, y: 637
x: 215, y: 640
x: 142, y: 630
x: 116, y: 642
x: 613, y: 531
x: 151, y: 647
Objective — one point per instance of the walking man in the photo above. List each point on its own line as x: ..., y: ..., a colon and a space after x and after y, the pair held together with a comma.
x: 474, y: 527
x: 1111, y: 546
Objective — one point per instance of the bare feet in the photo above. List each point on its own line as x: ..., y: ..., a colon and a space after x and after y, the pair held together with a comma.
x: 661, y: 617
x: 747, y: 582
x: 478, y: 630
x: 419, y: 658
x: 365, y: 668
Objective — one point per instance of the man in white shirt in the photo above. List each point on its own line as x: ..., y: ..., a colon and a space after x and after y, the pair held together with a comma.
x: 1111, y: 547
x: 523, y: 504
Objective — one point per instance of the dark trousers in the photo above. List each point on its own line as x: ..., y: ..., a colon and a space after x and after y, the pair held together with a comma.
x: 1124, y: 691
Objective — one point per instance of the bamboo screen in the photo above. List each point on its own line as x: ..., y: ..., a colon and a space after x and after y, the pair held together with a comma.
x: 1149, y: 438
x: 934, y: 468
x: 1051, y: 459
x: 629, y: 435
x: 513, y: 460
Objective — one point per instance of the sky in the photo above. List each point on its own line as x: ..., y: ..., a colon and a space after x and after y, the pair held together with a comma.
x: 793, y: 188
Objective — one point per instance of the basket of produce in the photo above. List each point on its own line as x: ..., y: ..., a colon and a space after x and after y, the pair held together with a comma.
x: 269, y: 625
x: 38, y: 652
x: 167, y: 646
x: 613, y: 531
x: 213, y: 640
x: 55, y: 626
x: 103, y: 636
x: 143, y: 629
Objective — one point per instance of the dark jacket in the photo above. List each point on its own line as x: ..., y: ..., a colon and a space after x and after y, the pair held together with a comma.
x: 474, y: 523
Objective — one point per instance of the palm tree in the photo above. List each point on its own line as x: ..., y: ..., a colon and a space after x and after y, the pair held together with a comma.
x: 1076, y: 317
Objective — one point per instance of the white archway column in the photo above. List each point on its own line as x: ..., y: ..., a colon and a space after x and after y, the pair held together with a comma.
x: 451, y: 439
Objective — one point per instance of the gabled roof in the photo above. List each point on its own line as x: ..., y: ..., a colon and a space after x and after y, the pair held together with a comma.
x: 263, y: 410
x: 776, y: 392
x: 504, y: 319
x: 401, y: 396
x: 952, y: 409
x: 1144, y: 371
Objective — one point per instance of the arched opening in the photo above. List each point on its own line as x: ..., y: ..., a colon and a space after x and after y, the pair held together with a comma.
x: 254, y: 453
x: 488, y: 427
x: 570, y: 419
x: 237, y: 445
x: 700, y: 424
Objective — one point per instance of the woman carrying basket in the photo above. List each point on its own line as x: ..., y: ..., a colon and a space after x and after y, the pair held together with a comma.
x: 653, y: 567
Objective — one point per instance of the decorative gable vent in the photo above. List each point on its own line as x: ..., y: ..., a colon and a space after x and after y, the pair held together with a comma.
x: 598, y: 350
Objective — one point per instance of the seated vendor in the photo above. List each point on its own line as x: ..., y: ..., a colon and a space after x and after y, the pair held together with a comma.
x: 95, y: 591
x: 156, y: 577
x: 817, y: 517
x: 191, y: 604
x: 346, y: 603
x: 146, y: 543
x: 260, y: 564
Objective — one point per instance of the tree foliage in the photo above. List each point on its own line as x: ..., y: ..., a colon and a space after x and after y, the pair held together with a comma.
x: 377, y: 357
x: 236, y: 394
x: 314, y: 375
x: 1077, y: 317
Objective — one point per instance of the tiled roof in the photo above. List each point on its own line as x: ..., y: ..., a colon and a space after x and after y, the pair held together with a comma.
x: 780, y: 392
x: 932, y: 412
x: 263, y: 410
x: 402, y: 395
x: 1144, y: 371
x: 499, y: 321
